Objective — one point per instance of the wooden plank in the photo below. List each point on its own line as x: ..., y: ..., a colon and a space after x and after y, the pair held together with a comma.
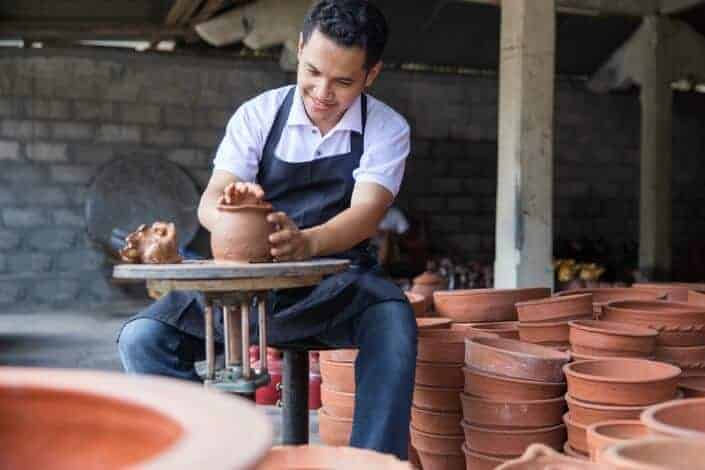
x: 161, y: 287
x: 596, y: 7
x: 87, y: 30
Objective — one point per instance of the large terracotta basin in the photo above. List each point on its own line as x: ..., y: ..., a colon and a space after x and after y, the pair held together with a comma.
x: 603, y: 338
x: 497, y: 387
x: 677, y: 418
x: 604, y: 434
x: 68, y: 420
x: 516, y: 359
x: 550, y: 334
x: 557, y: 308
x: 585, y: 413
x: 656, y: 454
x: 483, y: 305
x: 503, y: 329
x: 675, y: 292
x: 540, y: 457
x: 444, y: 345
x: 692, y: 387
x: 512, y: 413
x: 511, y: 442
x: 685, y: 357
x: 622, y: 381
x: 678, y: 324
x: 317, y: 457
x: 603, y: 295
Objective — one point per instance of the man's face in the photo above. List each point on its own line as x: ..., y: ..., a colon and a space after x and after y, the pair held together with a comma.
x: 331, y: 77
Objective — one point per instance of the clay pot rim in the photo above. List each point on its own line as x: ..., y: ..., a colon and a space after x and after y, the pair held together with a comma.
x: 519, y: 348
x: 536, y: 451
x: 600, y: 290
x: 449, y: 365
x: 569, y: 421
x: 601, y: 407
x: 673, y: 371
x: 680, y: 349
x: 297, y: 452
x: 434, y: 336
x: 437, y: 389
x: 675, y: 308
x: 322, y: 411
x: 699, y: 386
x: 491, y: 326
x: 568, y: 449
x: 623, y: 329
x: 449, y: 437
x: 171, y: 399
x: 428, y: 278
x: 337, y: 363
x: 415, y: 297
x: 587, y: 357
x: 512, y: 379
x: 323, y: 385
x: 649, y: 418
x: 613, y: 457
x: 264, y: 207
x: 546, y: 324
x: 436, y: 412
x: 487, y: 291
x: 471, y: 397
x: 433, y: 321
x: 509, y: 430
x: 553, y: 299
x: 473, y: 453
x: 598, y: 428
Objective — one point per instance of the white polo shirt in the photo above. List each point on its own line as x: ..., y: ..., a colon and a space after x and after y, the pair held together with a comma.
x: 386, y: 139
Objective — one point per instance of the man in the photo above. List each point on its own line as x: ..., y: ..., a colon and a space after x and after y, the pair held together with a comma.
x: 330, y: 159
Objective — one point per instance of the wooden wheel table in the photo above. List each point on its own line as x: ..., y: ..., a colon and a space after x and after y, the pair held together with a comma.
x: 232, y: 286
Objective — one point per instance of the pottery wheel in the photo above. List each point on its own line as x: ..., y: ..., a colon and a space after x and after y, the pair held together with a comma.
x: 128, y: 192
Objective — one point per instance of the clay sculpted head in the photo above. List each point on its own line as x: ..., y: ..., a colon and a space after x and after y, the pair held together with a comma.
x: 152, y: 245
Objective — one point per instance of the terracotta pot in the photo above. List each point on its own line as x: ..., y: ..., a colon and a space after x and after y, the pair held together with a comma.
x: 696, y: 298
x: 436, y: 422
x: 418, y: 303
x: 545, y: 332
x: 426, y: 284
x: 602, y: 295
x: 439, y: 374
x: 414, y: 460
x: 674, y: 292
x: 432, y: 461
x: 87, y: 420
x: 685, y: 357
x: 576, y: 454
x: 316, y: 457
x: 603, y: 338
x: 692, y: 387
x: 338, y: 376
x: 586, y: 413
x: 541, y: 457
x: 606, y: 433
x: 677, y: 418
x: 437, y: 398
x: 334, y: 430
x: 443, y: 345
x: 577, y: 434
x: 512, y: 358
x: 241, y: 234
x: 427, y: 323
x: 656, y: 454
x: 437, y: 444
x: 503, y: 329
x: 479, y: 461
x: 511, y: 442
x: 622, y: 381
x: 338, y: 404
x: 483, y: 305
x: 515, y: 413
x: 496, y: 387
x: 555, y: 309
x: 678, y: 324
x: 339, y: 355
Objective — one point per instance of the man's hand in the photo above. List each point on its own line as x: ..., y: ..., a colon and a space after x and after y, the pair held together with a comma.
x: 240, y: 193
x: 288, y: 242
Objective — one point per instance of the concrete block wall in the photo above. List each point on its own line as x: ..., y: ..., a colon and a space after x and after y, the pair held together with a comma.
x: 64, y: 113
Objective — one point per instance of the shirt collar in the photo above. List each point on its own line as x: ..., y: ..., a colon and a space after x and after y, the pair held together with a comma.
x: 351, y: 120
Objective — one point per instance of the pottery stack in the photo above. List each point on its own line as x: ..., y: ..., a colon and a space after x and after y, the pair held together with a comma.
x: 512, y: 397
x: 594, y: 339
x: 602, y: 295
x: 613, y: 388
x: 337, y: 396
x: 546, y: 321
x: 425, y: 284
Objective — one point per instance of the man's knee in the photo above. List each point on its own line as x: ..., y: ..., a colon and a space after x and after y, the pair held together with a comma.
x: 395, y: 322
x: 139, y: 336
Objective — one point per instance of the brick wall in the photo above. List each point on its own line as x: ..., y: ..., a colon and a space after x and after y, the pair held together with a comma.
x: 63, y: 114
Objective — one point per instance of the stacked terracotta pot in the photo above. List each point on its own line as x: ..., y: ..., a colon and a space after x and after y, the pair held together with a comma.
x: 602, y: 295
x: 512, y: 397
x: 337, y: 396
x: 613, y: 388
x: 593, y: 339
x: 425, y: 285
x: 546, y: 321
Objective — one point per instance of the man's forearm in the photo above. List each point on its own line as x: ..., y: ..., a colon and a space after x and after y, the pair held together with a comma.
x: 345, y: 230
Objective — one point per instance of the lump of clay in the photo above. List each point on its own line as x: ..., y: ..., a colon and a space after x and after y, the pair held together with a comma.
x: 152, y: 245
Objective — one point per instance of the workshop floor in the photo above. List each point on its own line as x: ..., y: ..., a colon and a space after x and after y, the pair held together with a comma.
x: 81, y: 339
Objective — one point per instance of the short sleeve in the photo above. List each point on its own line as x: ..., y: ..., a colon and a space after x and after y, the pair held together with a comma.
x: 241, y: 147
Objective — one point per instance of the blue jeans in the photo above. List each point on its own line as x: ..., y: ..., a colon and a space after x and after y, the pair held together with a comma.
x: 385, y: 334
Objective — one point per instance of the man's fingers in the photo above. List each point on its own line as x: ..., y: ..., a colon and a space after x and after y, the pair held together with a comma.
x: 282, y: 251
x: 280, y: 237
x: 282, y: 220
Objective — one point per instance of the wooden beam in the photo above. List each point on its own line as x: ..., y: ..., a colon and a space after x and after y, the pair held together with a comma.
x: 595, y: 7
x: 669, y: 7
x: 84, y: 30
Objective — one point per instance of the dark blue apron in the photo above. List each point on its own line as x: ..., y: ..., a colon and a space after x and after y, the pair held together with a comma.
x: 310, y: 193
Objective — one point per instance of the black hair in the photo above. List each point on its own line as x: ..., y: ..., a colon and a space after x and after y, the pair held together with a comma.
x: 349, y: 23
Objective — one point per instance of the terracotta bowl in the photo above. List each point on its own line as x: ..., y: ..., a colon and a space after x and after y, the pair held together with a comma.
x: 438, y: 451
x: 675, y: 292
x: 338, y: 376
x: 436, y: 422
x: 511, y: 442
x: 602, y: 295
x: 71, y: 419
x: 577, y: 434
x: 495, y: 387
x: 656, y: 454
x: 606, y: 433
x: 439, y: 374
x: 541, y: 457
x: 545, y: 332
x: 622, y: 381
x: 480, y: 461
x: 516, y: 359
x: 586, y: 413
x: 428, y: 323
x: 685, y: 357
x: 555, y: 309
x: 336, y: 403
x: 418, y: 302
x: 503, y: 329
x: 696, y: 298
x: 515, y: 413
x: 311, y: 457
x: 443, y: 345
x: 678, y: 324
x: 338, y: 355
x: 334, y: 430
x: 677, y: 418
x: 437, y: 398
x: 241, y: 234
x: 692, y: 387
x: 480, y: 305
x: 603, y: 338
x: 575, y: 454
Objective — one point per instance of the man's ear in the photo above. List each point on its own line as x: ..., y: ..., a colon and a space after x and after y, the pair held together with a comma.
x: 372, y: 74
x: 301, y: 46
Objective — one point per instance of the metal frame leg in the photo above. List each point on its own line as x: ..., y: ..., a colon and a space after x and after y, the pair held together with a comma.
x: 295, y: 398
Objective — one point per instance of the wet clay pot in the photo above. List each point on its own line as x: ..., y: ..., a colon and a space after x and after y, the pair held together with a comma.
x: 241, y: 233
x: 68, y: 420
x: 555, y: 309
x: 503, y: 329
x: 575, y: 454
x: 495, y: 387
x: 439, y: 374
x: 336, y: 403
x: 338, y: 355
x: 577, y: 434
x: 426, y: 284
x: 438, y: 451
x: 541, y: 457
x: 516, y: 359
x: 334, y: 430
x: 678, y: 324
x: 696, y: 298
x: 602, y: 295
x: 479, y: 461
x: 316, y: 457
x: 603, y: 338
x: 433, y: 323
x: 546, y: 333
x: 677, y: 418
x: 655, y: 454
x: 483, y: 305
x: 436, y: 422
x: 586, y: 413
x: 511, y: 442
x: 437, y: 398
x: 418, y: 303
x: 443, y: 345
x: 685, y: 357
x: 674, y: 292
x: 606, y: 433
x: 156, y: 244
x: 338, y: 376
x: 622, y: 381
x: 692, y: 387
x: 515, y: 413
